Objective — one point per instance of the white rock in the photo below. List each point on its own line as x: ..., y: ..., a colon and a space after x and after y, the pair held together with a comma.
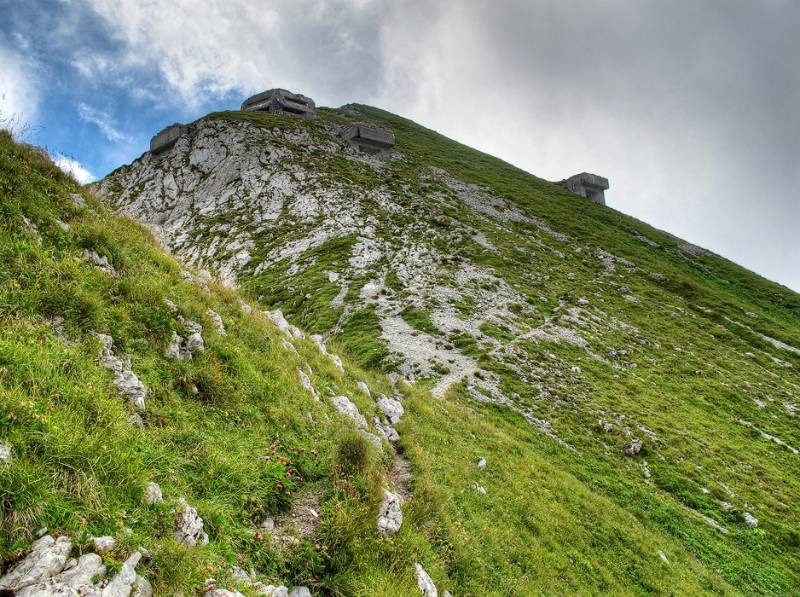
x: 175, y: 349
x: 82, y: 572
x: 425, y: 583
x: 271, y: 590
x: 101, y: 261
x: 373, y: 439
x: 78, y: 200
x: 391, y: 407
x: 390, y: 516
x: 222, y: 593
x: 5, y: 454
x: 482, y: 463
x: 120, y: 585
x: 141, y: 587
x: 387, y: 431
x: 364, y: 388
x: 337, y: 361
x: 128, y: 385
x: 268, y: 524
x: 152, y: 493
x: 307, y: 384
x: 289, y: 346
x: 46, y: 559
x: 663, y: 556
x: 479, y: 488
x: 104, y: 543
x: 218, y: 323
x: 189, y: 525
x: 347, y: 408
x: 299, y: 592
x: 750, y: 519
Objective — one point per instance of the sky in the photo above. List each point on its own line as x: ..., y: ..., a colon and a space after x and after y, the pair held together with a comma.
x: 691, y: 108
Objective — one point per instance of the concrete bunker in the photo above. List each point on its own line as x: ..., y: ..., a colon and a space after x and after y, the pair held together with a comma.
x: 589, y: 186
x: 368, y: 138
x: 166, y: 138
x: 281, y: 101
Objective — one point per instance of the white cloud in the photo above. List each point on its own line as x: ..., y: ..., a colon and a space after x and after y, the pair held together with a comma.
x: 19, y: 94
x: 102, y: 120
x: 73, y: 167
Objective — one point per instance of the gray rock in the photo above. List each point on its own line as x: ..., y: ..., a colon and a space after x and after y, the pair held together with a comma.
x: 104, y: 543
x: 390, y: 515
x: 46, y: 559
x: 391, y: 407
x: 268, y: 524
x: 5, y: 454
x: 218, y: 323
x: 222, y: 593
x: 482, y: 463
x: 633, y: 447
x: 271, y: 590
x: 175, y: 349
x: 347, y: 408
x: 373, y: 439
x: 364, y: 388
x: 387, y: 431
x: 82, y: 571
x: 141, y: 587
x: 100, y: 261
x: 78, y: 200
x: 189, y: 526
x: 479, y: 488
x: 663, y: 556
x: 425, y: 583
x: 307, y: 384
x: 152, y: 494
x: 120, y: 585
x: 299, y: 592
x: 750, y: 519
x: 128, y: 385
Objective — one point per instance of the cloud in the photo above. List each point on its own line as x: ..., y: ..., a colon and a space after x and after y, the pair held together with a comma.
x: 19, y: 93
x: 102, y: 120
x: 75, y: 168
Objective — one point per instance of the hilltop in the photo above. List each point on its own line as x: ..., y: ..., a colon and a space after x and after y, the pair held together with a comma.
x: 564, y: 398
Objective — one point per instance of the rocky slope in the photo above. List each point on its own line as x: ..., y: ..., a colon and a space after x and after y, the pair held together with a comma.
x: 563, y: 399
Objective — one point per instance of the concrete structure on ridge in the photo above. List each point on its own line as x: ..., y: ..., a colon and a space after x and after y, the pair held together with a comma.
x: 165, y: 139
x: 368, y: 138
x: 589, y: 186
x: 280, y: 101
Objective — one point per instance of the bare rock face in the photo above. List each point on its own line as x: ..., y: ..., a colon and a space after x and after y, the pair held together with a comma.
x: 390, y: 517
x: 120, y: 585
x: 348, y: 409
x: 425, y: 583
x: 391, y: 407
x: 128, y: 385
x: 189, y: 526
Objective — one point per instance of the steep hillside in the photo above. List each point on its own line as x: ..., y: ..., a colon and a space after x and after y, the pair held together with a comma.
x: 580, y: 403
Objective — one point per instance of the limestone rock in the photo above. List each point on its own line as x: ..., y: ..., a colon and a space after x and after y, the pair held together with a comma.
x: 663, y: 556
x: 78, y: 200
x: 120, y: 585
x: 482, y: 463
x: 5, y: 454
x: 307, y: 384
x: 390, y: 516
x: 104, y: 543
x: 391, y: 407
x: 100, y: 261
x: 217, y: 319
x: 175, y: 350
x: 287, y: 328
x: 141, y: 587
x: 633, y: 447
x: 46, y: 559
x: 194, y: 343
x: 128, y: 385
x: 271, y: 590
x: 750, y: 519
x: 347, y: 408
x: 364, y: 388
x: 425, y: 583
x: 82, y: 571
x: 268, y: 524
x: 152, y: 494
x: 373, y: 439
x: 387, y: 431
x: 223, y: 593
x: 189, y: 526
x: 300, y: 592
x: 479, y: 488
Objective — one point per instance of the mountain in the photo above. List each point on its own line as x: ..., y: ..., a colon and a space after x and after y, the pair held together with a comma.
x: 559, y: 398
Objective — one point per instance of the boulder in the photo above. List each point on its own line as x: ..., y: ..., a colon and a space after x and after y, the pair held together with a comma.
x: 104, y: 543
x: 152, y: 494
x: 347, y: 408
x: 46, y: 559
x: 391, y: 407
x: 633, y: 447
x: 300, y: 592
x: 364, y: 388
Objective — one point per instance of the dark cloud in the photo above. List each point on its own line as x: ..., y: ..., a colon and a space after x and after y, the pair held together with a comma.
x: 690, y: 108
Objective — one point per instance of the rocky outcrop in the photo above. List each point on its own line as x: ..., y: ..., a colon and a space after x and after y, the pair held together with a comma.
x: 348, y: 409
x: 189, y: 526
x: 425, y: 583
x: 152, y: 494
x: 128, y: 385
x: 101, y: 261
x: 391, y: 407
x: 218, y: 323
x: 47, y: 571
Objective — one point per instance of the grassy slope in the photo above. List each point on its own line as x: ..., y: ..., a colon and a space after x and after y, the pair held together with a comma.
x: 551, y: 521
